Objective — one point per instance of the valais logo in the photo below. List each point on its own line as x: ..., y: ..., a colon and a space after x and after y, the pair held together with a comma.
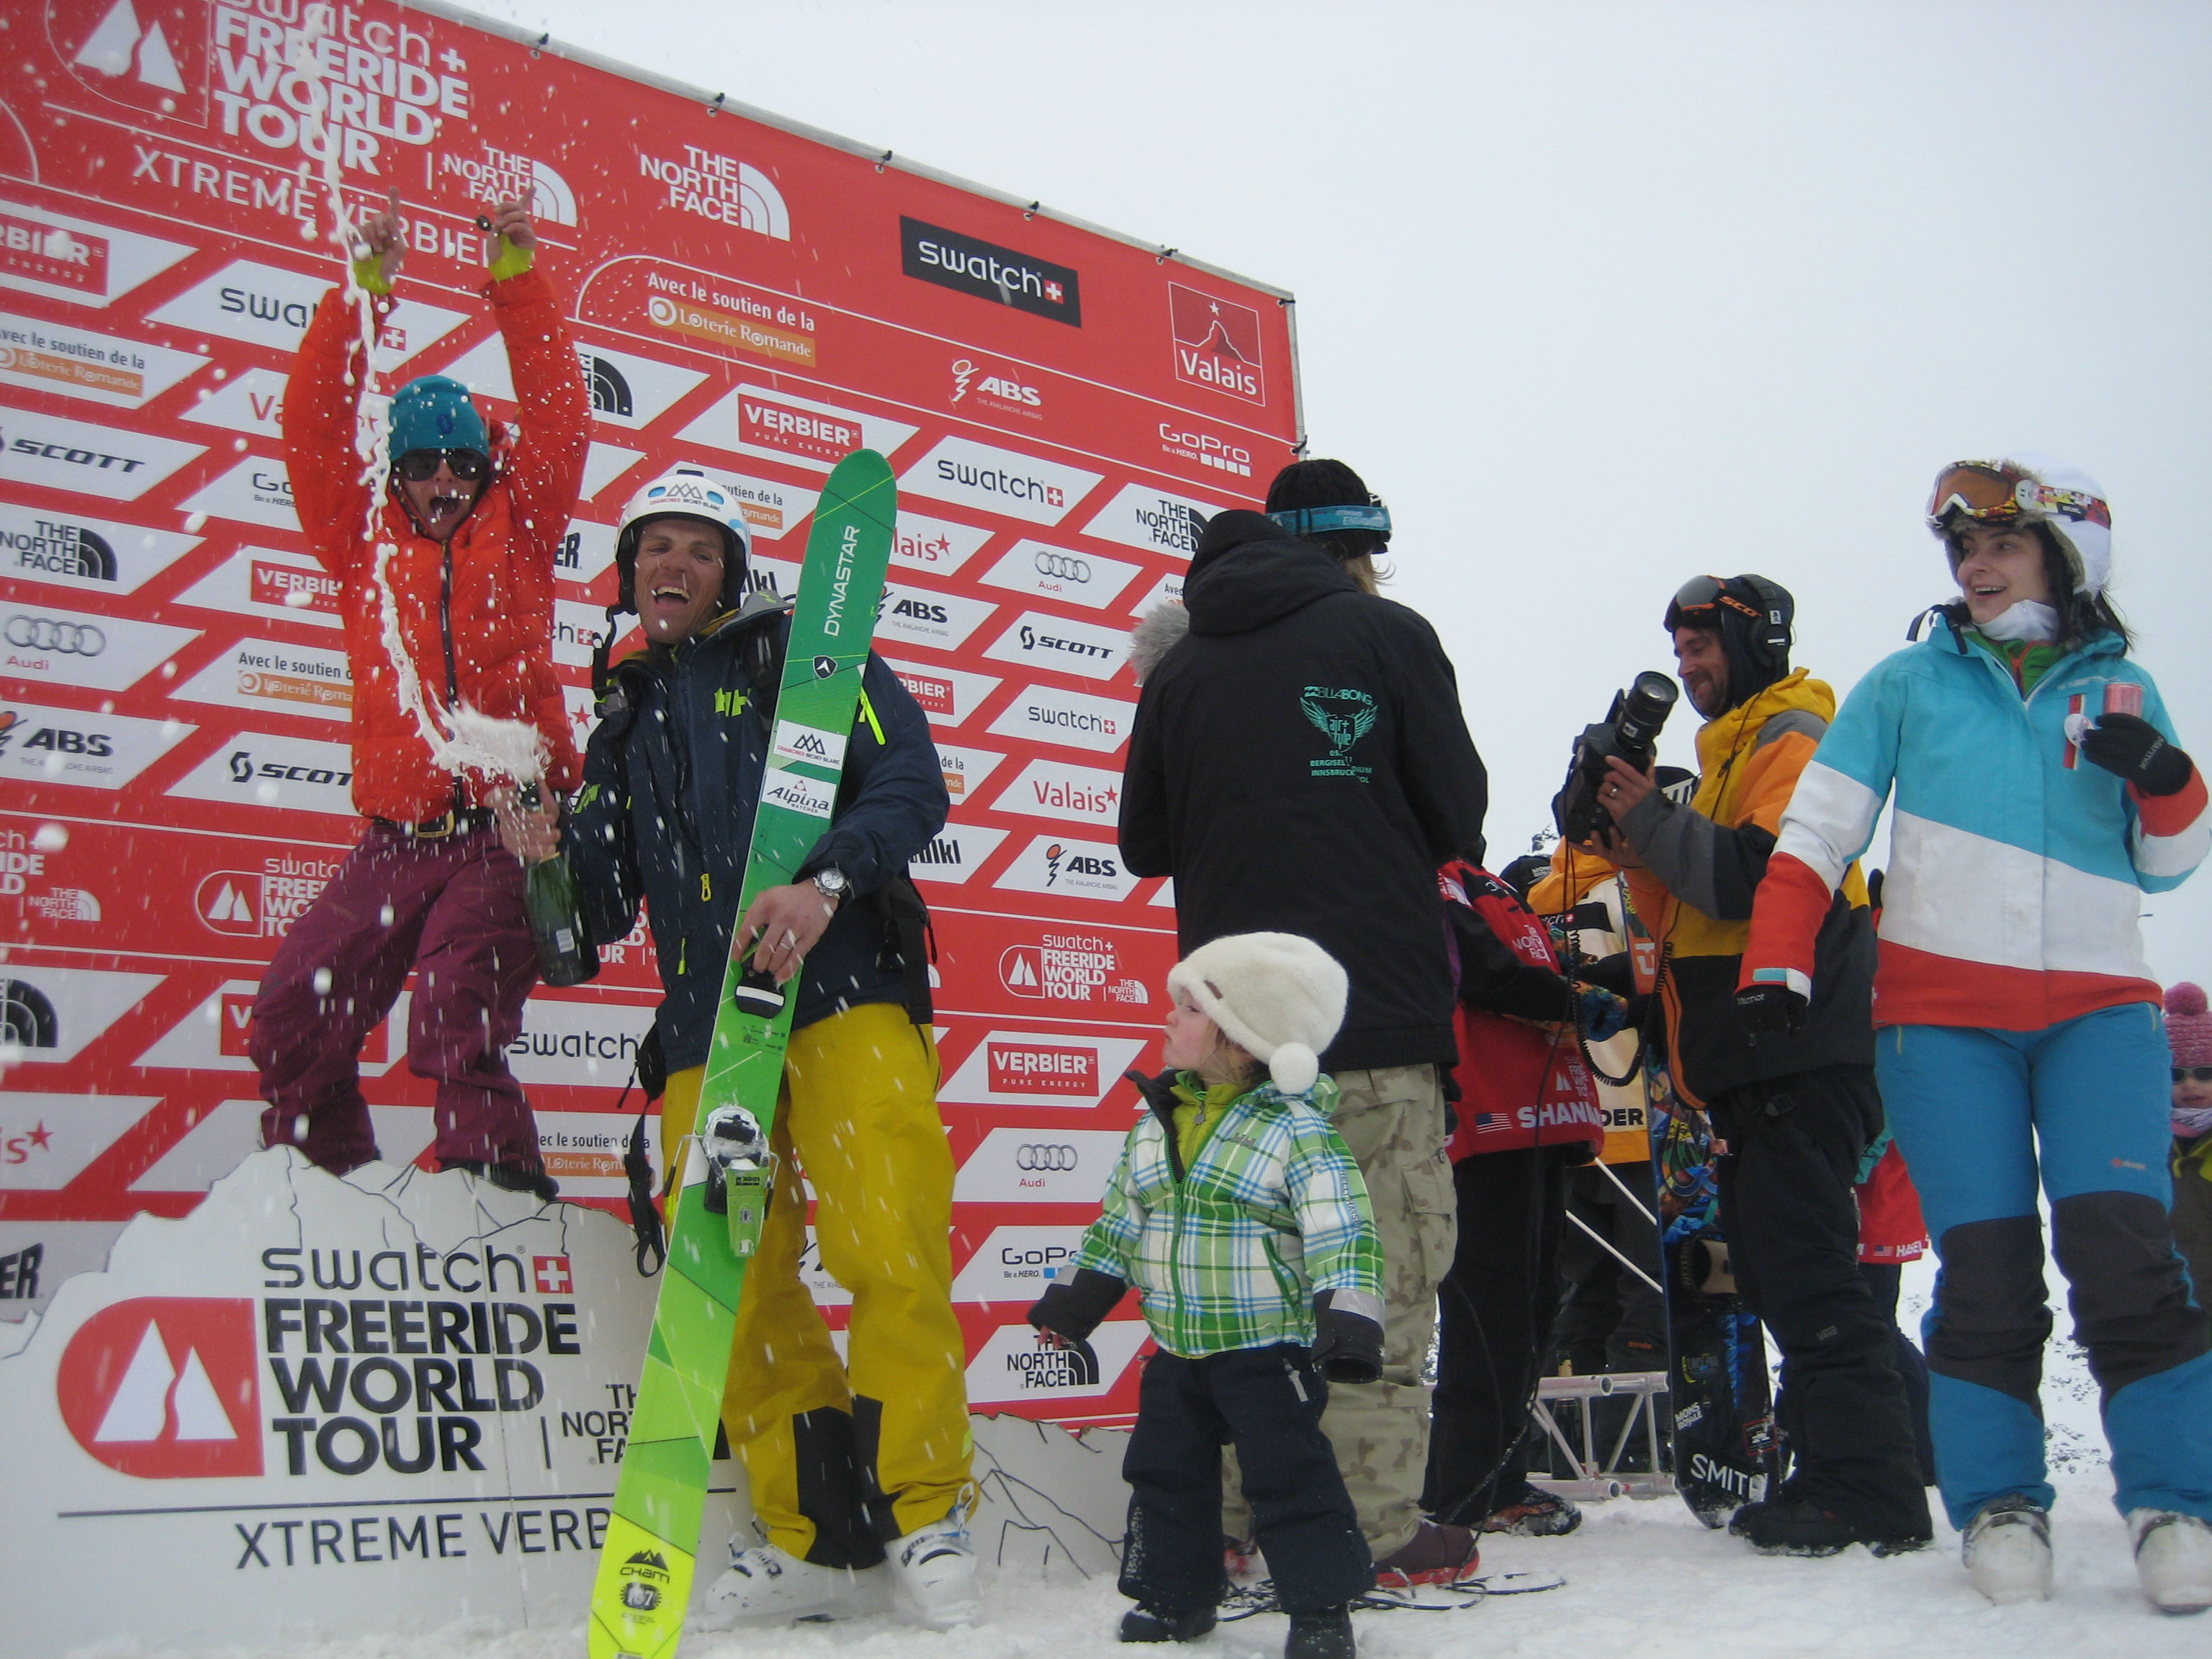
x: 164, y: 1387
x: 1217, y: 344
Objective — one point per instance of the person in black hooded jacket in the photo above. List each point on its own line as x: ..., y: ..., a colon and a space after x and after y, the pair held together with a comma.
x: 1299, y: 763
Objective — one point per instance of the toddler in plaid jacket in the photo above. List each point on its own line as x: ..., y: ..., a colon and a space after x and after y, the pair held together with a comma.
x: 1241, y: 1217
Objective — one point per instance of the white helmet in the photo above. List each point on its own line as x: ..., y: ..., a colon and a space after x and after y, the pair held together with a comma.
x: 2031, y: 488
x: 684, y: 492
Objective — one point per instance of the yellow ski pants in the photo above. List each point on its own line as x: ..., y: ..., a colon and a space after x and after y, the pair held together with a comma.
x: 842, y: 1456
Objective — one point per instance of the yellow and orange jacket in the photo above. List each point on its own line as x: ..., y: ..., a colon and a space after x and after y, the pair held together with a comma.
x: 1703, y: 865
x: 476, y: 616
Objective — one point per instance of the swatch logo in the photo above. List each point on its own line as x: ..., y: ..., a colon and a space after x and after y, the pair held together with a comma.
x: 968, y: 264
x: 164, y: 1387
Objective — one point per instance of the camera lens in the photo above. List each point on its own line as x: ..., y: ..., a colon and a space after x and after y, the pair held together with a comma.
x: 1650, y: 699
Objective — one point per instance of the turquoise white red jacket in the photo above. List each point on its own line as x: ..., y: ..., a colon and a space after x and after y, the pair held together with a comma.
x: 2016, y: 867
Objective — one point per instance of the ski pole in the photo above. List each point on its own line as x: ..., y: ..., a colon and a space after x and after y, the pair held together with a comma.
x: 1642, y: 1208
x: 1606, y: 1244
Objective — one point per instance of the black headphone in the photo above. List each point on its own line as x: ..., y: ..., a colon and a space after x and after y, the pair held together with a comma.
x: 1768, y: 641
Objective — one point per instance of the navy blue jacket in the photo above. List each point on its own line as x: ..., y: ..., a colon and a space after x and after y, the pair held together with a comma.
x: 670, y: 778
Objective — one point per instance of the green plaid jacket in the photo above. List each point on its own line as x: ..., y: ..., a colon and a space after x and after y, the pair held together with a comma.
x: 1231, y: 1253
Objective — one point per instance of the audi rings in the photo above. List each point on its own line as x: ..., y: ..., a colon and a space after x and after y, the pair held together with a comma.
x: 1066, y: 565
x: 45, y: 634
x: 1034, y: 1156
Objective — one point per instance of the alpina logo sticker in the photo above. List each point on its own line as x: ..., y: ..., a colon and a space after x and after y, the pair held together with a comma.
x: 165, y: 1388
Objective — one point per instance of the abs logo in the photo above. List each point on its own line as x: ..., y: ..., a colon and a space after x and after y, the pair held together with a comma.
x: 1217, y: 344
x: 1001, y: 392
x: 165, y: 1388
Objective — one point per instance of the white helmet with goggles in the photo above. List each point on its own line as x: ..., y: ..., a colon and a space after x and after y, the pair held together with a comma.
x: 685, y: 492
x: 2028, y: 488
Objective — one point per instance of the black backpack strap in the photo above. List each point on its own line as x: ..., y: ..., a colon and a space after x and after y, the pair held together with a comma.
x: 650, y: 1070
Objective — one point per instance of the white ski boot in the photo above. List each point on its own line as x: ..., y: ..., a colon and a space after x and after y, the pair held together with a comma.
x: 2007, y: 1549
x: 763, y: 1581
x: 2174, y: 1559
x: 933, y: 1573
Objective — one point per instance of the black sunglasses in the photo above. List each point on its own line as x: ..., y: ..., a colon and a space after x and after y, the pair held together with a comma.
x: 421, y: 466
x: 2192, y: 1074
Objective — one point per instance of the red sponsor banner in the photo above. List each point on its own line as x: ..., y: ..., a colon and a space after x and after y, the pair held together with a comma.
x: 1059, y: 405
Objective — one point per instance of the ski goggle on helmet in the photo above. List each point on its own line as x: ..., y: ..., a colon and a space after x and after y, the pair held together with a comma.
x: 2065, y: 501
x: 685, y: 492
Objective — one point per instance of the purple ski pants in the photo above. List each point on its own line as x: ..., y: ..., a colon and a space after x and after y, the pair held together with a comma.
x: 452, y: 911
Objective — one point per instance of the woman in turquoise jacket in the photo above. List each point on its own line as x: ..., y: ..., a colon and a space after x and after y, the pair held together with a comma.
x: 2039, y: 794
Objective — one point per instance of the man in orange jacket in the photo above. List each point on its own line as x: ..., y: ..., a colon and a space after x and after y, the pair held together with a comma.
x: 452, y: 564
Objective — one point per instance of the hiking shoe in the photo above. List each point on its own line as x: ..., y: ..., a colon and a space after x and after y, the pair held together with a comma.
x: 1240, y: 1561
x: 1144, y: 1623
x: 1534, y: 1513
x: 1324, y: 1635
x: 2174, y: 1559
x: 763, y: 1581
x: 1801, y: 1527
x: 932, y: 1574
x: 1438, y: 1553
x: 2006, y: 1550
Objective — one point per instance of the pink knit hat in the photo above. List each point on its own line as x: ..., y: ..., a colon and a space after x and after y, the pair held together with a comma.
x: 2188, y: 1027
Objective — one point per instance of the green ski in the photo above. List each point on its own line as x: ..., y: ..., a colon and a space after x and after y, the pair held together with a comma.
x: 646, y: 1567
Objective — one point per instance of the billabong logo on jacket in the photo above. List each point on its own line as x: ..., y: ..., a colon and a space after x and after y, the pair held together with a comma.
x: 1343, y: 717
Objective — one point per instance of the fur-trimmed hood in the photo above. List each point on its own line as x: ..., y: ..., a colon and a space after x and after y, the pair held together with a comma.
x: 1157, y: 632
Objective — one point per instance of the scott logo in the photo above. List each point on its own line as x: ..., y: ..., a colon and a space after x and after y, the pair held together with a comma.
x: 165, y: 1388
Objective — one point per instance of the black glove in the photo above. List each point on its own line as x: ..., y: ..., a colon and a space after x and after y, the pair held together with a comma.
x: 2130, y: 748
x: 1772, y: 1009
x: 1347, y: 1346
x: 1073, y: 1310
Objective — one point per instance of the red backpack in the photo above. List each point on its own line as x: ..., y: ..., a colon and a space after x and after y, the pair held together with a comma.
x: 1521, y: 1083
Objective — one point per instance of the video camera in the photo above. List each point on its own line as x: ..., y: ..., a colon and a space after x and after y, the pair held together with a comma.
x: 1630, y: 730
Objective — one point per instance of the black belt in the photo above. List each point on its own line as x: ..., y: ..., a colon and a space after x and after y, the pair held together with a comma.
x: 467, y: 822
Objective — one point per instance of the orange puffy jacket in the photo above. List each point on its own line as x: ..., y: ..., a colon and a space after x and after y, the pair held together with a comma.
x: 476, y: 616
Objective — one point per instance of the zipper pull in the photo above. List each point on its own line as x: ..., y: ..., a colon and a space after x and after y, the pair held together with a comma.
x: 706, y: 888
x: 1297, y: 1384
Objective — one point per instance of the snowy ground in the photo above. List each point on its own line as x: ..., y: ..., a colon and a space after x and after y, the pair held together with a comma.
x: 1645, y: 1580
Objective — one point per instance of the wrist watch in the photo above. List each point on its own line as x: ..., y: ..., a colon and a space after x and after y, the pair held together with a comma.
x: 833, y: 884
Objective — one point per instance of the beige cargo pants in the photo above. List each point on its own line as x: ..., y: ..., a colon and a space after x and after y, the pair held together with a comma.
x: 1393, y: 1120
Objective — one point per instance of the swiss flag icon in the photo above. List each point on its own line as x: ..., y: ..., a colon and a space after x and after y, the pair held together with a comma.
x: 165, y: 1388
x: 552, y: 1275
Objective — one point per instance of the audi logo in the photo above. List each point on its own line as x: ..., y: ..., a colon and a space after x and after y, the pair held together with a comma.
x: 45, y: 634
x: 1034, y: 1157
x: 1066, y: 565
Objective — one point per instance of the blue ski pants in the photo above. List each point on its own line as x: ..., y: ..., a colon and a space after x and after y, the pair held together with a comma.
x: 2081, y: 1106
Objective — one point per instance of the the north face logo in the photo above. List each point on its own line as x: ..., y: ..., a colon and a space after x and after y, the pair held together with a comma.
x: 165, y: 1388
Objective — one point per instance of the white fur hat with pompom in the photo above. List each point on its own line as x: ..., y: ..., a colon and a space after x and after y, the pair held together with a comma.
x: 1278, y: 996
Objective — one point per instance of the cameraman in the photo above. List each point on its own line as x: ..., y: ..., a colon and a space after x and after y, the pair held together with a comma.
x: 1796, y: 1111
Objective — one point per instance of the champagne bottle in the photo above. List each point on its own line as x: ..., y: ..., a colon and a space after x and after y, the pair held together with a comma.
x: 566, y: 955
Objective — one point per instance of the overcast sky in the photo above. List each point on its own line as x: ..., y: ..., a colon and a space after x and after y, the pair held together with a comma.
x: 1600, y: 296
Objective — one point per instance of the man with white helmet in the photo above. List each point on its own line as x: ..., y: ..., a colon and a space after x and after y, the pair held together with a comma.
x: 2041, y: 793
x: 852, y: 1461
